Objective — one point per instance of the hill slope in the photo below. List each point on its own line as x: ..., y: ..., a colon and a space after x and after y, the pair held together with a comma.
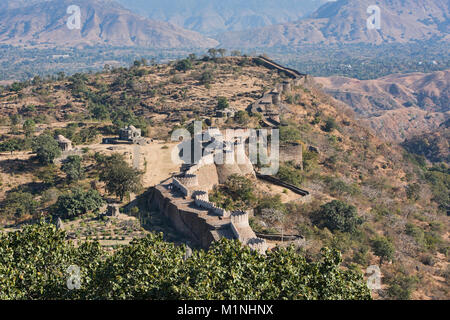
x: 102, y: 22
x: 397, y: 106
x: 342, y: 159
x: 345, y: 21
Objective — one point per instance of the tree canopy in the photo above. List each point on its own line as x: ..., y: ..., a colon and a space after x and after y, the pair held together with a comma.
x: 77, y: 202
x: 119, y: 176
x: 73, y: 168
x: 46, y: 148
x: 34, y: 265
x: 338, y: 215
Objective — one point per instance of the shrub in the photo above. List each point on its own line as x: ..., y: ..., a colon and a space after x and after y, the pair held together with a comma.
x: 290, y: 175
x: 413, y: 191
x: 289, y: 134
x: 241, y: 117
x: 338, y: 215
x: 383, y: 248
x: 330, y: 125
x: 183, y: 65
x: 206, y: 77
x: 222, y: 103
x: 401, y: 286
x: 77, y: 202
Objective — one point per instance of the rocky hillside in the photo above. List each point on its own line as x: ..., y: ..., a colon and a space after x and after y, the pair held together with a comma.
x: 400, y: 204
x: 345, y: 21
x: 397, y: 106
x: 434, y: 145
x: 102, y: 22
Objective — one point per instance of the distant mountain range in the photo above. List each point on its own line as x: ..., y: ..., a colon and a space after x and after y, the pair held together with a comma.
x: 345, y: 21
x: 397, y: 106
x: 211, y: 17
x: 102, y: 22
x: 232, y: 23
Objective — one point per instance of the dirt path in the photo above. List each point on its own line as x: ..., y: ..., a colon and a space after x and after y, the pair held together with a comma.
x: 154, y: 159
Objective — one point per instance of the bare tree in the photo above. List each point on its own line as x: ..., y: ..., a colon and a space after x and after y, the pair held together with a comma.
x: 276, y: 217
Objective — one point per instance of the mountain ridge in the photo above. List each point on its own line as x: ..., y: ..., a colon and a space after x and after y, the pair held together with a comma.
x: 102, y: 22
x: 345, y: 21
x: 211, y: 17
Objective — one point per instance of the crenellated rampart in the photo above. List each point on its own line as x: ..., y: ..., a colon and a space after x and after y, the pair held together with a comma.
x: 257, y: 244
x: 201, y: 199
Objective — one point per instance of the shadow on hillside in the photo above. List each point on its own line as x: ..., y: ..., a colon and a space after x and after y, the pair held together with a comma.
x: 18, y: 165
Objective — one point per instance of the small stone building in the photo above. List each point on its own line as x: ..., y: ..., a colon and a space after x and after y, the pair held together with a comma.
x: 64, y: 143
x: 112, y: 210
x: 130, y: 133
x: 226, y: 113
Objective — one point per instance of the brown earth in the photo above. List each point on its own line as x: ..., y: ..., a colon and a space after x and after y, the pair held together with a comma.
x: 397, y: 106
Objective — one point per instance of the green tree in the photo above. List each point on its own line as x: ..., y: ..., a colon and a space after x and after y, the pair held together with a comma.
x: 241, y: 117
x: 338, y: 215
x: 29, y: 127
x: 154, y: 264
x: 290, y: 175
x: 383, y: 248
x: 99, y: 111
x: 183, y: 65
x: 222, y: 52
x: 77, y: 202
x: 206, y: 77
x: 222, y: 103
x: 12, y: 145
x: 119, y: 177
x: 228, y: 271
x: 212, y: 52
x: 34, y: 262
x: 73, y: 168
x: 46, y: 148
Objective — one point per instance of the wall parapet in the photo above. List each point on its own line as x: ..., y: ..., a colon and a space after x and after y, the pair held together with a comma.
x: 239, y: 217
x: 188, y: 180
x: 178, y: 185
x: 239, y: 225
x: 201, y: 199
x: 258, y: 244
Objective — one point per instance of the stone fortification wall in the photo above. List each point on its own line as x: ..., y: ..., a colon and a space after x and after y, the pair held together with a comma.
x: 202, y: 200
x: 179, y: 186
x: 188, y: 180
x: 258, y: 244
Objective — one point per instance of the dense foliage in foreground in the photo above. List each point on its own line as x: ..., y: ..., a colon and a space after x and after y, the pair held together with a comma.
x: 34, y: 263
